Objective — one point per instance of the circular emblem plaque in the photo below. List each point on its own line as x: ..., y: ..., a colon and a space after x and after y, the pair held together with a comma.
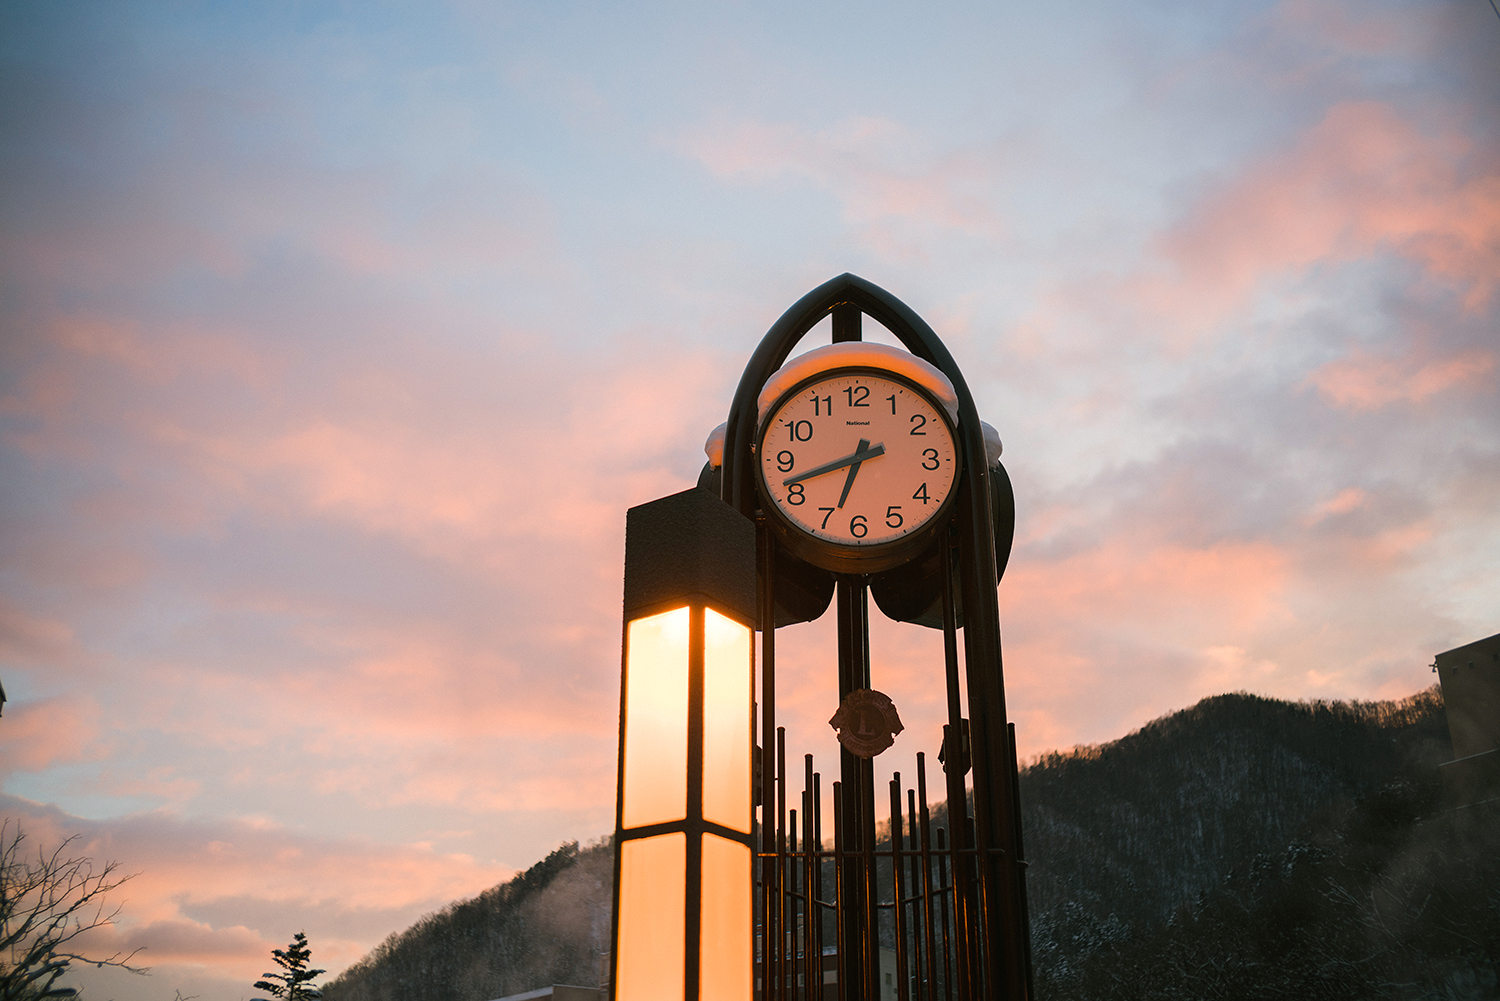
x: 866, y: 722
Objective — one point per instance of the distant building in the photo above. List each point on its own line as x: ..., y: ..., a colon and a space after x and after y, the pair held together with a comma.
x: 558, y: 992
x: 830, y: 974
x: 1470, y: 680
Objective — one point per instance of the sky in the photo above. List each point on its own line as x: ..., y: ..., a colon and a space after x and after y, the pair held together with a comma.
x: 338, y: 338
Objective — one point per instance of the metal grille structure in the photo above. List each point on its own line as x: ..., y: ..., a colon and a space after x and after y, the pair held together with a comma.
x: 916, y: 887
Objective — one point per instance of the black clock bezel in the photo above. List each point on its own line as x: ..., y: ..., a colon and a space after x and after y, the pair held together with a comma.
x: 845, y: 557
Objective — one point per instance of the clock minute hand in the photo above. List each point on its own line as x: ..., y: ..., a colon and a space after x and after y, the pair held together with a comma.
x: 859, y: 455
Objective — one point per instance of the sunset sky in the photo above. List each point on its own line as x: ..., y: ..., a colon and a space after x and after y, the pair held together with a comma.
x: 337, y: 339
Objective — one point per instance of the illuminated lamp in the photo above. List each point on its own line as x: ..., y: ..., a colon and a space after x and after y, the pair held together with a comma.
x: 683, y: 827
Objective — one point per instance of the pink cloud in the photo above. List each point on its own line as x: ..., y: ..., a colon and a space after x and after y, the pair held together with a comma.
x: 1362, y: 180
x: 55, y: 731
x: 1346, y: 500
x: 1357, y: 30
x: 163, y: 354
x: 27, y: 638
x: 1130, y: 579
x: 180, y: 942
x: 878, y: 169
x: 1364, y: 382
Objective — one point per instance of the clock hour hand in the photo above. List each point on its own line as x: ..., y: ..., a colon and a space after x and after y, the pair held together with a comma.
x: 853, y: 472
x: 859, y: 455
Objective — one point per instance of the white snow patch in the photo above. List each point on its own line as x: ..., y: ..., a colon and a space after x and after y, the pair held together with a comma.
x: 992, y: 446
x: 714, y: 447
x: 845, y: 355
x: 859, y: 353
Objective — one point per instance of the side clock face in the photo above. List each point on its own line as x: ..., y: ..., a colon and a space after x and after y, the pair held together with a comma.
x: 857, y: 463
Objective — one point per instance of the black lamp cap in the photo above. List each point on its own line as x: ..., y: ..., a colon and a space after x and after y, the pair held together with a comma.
x: 689, y: 548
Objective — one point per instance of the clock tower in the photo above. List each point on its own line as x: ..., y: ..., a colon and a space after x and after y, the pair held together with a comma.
x: 860, y: 470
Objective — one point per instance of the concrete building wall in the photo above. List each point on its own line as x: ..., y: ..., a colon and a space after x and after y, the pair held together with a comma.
x: 1470, y: 679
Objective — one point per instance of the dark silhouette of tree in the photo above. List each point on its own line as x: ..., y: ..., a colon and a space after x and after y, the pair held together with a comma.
x: 46, y: 903
x: 294, y: 985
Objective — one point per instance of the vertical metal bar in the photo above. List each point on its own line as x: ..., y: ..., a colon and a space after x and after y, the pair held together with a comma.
x: 847, y: 991
x: 898, y: 839
x: 846, y: 322
x: 922, y: 959
x: 794, y: 900
x: 811, y: 873
x: 817, y: 820
x: 857, y: 817
x: 804, y: 897
x: 767, y: 748
x: 927, y: 893
x: 781, y: 873
x: 614, y: 922
x: 1015, y: 766
x: 949, y: 960
x: 871, y: 888
x: 958, y: 811
x: 1000, y: 906
x: 694, y: 882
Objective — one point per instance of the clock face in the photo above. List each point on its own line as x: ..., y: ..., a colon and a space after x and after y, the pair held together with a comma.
x: 857, y: 459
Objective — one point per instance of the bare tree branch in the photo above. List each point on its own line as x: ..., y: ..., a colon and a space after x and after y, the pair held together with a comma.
x: 46, y: 903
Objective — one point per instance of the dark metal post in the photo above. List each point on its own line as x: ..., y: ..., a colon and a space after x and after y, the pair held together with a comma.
x: 957, y: 756
x: 768, y: 868
x: 858, y: 774
x: 898, y: 840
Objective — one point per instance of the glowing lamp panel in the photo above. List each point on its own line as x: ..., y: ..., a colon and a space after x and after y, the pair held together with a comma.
x: 656, y: 719
x: 727, y: 682
x: 725, y: 971
x: 651, y: 920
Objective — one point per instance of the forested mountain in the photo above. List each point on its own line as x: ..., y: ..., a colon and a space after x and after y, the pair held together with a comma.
x: 549, y: 925
x: 1251, y: 848
x: 1244, y: 848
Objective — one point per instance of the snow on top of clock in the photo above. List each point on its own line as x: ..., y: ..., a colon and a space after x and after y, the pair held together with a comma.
x: 849, y: 353
x: 843, y: 355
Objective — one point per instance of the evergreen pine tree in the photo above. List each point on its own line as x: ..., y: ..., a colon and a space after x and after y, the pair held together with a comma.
x: 294, y: 984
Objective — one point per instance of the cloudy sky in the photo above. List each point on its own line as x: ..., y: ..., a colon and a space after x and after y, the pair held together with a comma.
x: 338, y: 338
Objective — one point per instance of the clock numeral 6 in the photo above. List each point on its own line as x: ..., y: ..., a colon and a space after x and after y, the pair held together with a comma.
x: 931, y: 456
x: 795, y: 496
x: 785, y: 461
x: 858, y: 526
x: 893, y: 516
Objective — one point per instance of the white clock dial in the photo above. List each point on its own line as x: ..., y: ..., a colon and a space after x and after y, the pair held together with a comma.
x: 857, y: 459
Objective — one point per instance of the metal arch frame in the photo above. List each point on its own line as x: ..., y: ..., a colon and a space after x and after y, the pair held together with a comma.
x: 1001, y: 904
